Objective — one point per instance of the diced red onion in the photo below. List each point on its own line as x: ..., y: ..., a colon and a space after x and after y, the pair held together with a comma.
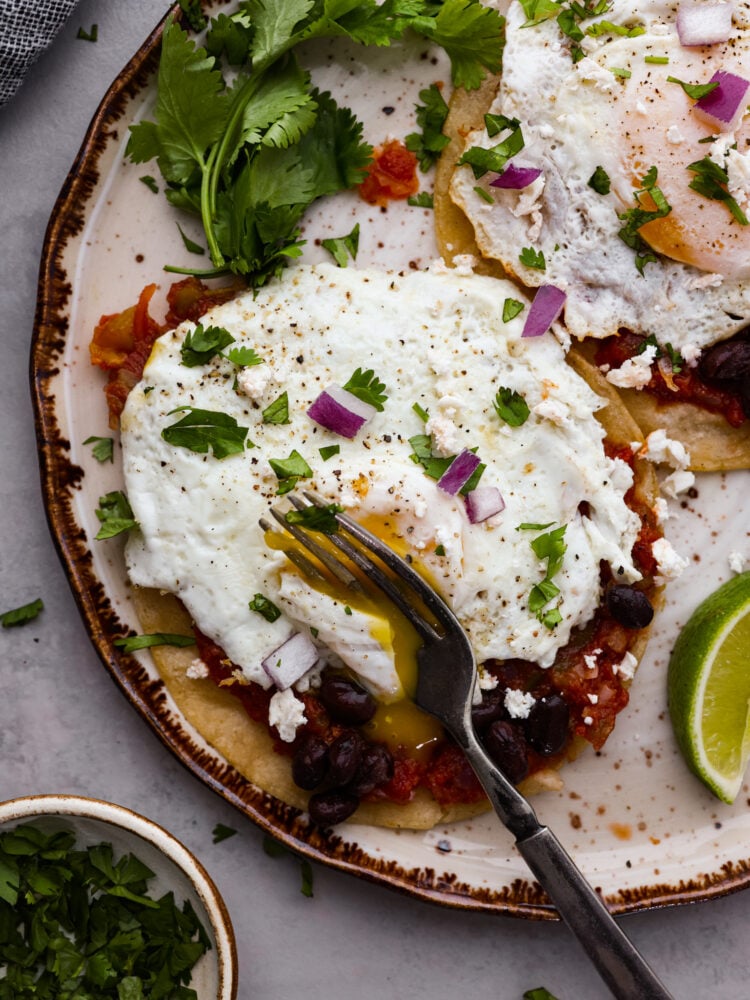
x: 484, y: 502
x: 724, y: 106
x: 459, y: 472
x: 291, y: 660
x: 515, y: 178
x: 547, y: 305
x: 340, y: 411
x: 704, y: 23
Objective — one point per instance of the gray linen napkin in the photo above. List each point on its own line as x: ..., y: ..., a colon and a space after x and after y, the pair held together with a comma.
x: 26, y: 28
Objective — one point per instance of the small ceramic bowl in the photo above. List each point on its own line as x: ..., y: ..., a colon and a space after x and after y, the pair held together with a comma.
x: 214, y: 977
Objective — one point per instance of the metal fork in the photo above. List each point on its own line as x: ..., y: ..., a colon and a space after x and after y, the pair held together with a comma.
x: 445, y: 686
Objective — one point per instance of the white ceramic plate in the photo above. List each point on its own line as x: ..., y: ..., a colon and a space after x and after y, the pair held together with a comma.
x: 637, y: 823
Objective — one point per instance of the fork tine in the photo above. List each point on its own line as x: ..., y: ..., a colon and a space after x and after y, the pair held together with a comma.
x: 330, y: 561
x: 400, y: 566
x: 298, y: 558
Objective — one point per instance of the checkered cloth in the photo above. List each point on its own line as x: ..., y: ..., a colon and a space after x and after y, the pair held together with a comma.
x: 26, y: 28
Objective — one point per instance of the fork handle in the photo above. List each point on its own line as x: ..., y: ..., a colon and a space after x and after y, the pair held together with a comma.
x: 616, y: 959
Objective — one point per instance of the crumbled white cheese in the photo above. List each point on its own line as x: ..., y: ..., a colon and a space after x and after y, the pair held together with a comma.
x: 593, y: 698
x: 665, y: 451
x: 708, y: 280
x: 690, y: 354
x: 528, y: 199
x: 287, y: 713
x: 661, y: 510
x: 626, y: 667
x: 737, y: 562
x: 464, y: 264
x: 590, y: 71
x: 487, y: 681
x: 444, y: 435
x: 197, y: 670
x: 518, y: 704
x: 738, y: 174
x: 554, y: 410
x: 254, y: 381
x: 669, y: 563
x: 678, y: 482
x: 635, y: 372
x: 588, y: 720
x: 674, y: 136
x: 591, y: 660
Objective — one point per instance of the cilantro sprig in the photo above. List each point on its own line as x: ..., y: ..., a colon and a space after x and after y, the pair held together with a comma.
x: 202, y: 431
x: 428, y: 144
x: 289, y: 471
x: 250, y: 153
x: 711, y: 181
x: 315, y: 518
x: 367, y: 387
x: 496, y: 157
x: 341, y: 248
x: 115, y: 514
x: 202, y: 344
x: 79, y: 922
x: 552, y: 547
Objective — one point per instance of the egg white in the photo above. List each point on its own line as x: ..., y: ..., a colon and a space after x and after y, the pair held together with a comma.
x: 436, y: 339
x: 577, y: 117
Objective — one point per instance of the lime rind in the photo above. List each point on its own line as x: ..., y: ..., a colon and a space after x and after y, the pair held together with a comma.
x: 709, y: 686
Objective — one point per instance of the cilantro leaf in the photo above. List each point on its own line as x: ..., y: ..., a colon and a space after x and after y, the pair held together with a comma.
x: 472, y: 36
x: 244, y: 357
x: 430, y: 142
x: 222, y: 832
x: 277, y: 412
x: 190, y: 245
x: 315, y: 518
x: 104, y: 448
x: 599, y: 181
x: 537, y: 11
x: 367, y: 387
x: 711, y: 181
x: 115, y: 514
x: 89, y: 36
x: 191, y: 11
x: 552, y: 547
x: 695, y: 90
x: 202, y: 431
x: 231, y: 36
x: 131, y: 643
x: 421, y: 200
x: 22, y: 615
x: 150, y: 183
x: 202, y: 344
x: 265, y: 607
x: 289, y: 471
x: 511, y: 309
x: 511, y: 407
x: 343, y: 247
x: 481, y: 160
x: 329, y: 451
x: 533, y: 258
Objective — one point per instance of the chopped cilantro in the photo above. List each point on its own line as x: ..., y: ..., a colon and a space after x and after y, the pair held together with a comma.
x: 277, y: 412
x: 190, y: 245
x: 435, y: 465
x: 511, y: 309
x: 620, y: 72
x: 191, y: 11
x: 207, y: 430
x: 552, y: 547
x: 150, y: 183
x: 221, y: 832
x: 422, y: 200
x: 484, y: 195
x: 511, y: 407
x: 695, y: 90
x: 343, y: 247
x: 264, y: 607
x: 89, y: 36
x: 115, y: 514
x: 243, y: 357
x: 79, y: 922
x: 131, y: 643
x: 367, y: 387
x: 423, y: 415
x: 540, y: 993
x: 496, y: 157
x: 104, y: 448
x: 202, y: 344
x: 599, y: 181
x: 636, y: 217
x: 439, y: 550
x: 329, y: 451
x: 347, y: 610
x: 23, y: 615
x: 430, y: 142
x: 657, y: 60
x: 289, y: 471
x: 315, y: 518
x: 533, y: 258
x: 274, y: 849
x: 711, y: 181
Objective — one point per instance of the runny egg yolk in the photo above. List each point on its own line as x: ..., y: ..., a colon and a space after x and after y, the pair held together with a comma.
x: 400, y: 723
x: 661, y: 129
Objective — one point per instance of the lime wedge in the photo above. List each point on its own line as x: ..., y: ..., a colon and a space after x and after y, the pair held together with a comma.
x: 709, y: 688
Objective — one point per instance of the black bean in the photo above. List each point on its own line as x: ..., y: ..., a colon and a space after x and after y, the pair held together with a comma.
x: 330, y: 808
x: 728, y: 360
x: 346, y: 701
x: 629, y: 606
x: 490, y: 710
x: 310, y: 762
x: 344, y: 757
x: 507, y: 747
x: 375, y: 770
x: 547, y: 725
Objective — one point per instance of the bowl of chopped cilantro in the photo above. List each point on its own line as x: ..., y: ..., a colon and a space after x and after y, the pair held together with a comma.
x: 97, y: 902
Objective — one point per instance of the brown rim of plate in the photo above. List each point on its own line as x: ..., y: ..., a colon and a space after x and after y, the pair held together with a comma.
x: 59, y: 478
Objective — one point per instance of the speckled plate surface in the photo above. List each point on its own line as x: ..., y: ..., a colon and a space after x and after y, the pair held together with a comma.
x: 638, y: 824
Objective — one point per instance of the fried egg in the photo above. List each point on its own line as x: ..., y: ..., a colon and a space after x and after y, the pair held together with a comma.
x: 437, y: 340
x: 615, y: 111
